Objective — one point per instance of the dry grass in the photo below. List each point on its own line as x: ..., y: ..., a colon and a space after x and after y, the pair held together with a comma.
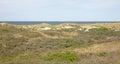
x: 96, y: 48
x: 105, y: 53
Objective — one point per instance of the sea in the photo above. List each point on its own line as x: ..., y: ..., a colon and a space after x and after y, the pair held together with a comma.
x: 56, y: 22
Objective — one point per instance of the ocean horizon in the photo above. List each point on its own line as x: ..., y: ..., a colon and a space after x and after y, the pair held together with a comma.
x: 55, y: 22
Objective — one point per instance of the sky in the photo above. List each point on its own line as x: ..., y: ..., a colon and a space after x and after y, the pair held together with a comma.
x: 59, y: 10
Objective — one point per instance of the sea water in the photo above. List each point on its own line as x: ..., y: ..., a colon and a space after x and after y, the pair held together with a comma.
x: 52, y: 22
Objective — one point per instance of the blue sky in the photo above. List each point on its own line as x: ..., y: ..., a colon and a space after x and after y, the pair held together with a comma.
x: 59, y: 10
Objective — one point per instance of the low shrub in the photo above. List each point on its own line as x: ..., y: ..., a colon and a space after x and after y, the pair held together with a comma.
x: 65, y: 56
x: 99, y: 31
x: 102, y: 54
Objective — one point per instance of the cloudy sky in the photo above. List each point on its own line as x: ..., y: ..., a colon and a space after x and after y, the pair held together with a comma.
x: 59, y: 10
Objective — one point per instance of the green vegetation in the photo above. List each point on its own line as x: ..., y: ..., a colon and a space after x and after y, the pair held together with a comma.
x: 65, y: 56
x: 65, y: 46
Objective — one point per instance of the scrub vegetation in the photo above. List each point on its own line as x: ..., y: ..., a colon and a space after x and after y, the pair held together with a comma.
x: 66, y: 46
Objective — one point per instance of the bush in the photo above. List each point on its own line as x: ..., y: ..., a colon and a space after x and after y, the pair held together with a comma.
x: 102, y: 54
x: 5, y: 30
x: 99, y: 31
x: 66, y: 56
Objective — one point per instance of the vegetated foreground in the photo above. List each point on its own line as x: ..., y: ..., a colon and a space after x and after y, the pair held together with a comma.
x: 60, y: 44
